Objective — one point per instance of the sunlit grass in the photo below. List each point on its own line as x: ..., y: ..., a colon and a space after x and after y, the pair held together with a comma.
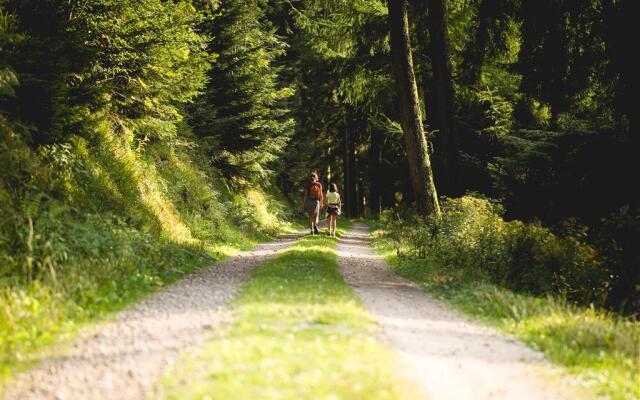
x: 602, y: 349
x: 130, y: 224
x: 299, y: 334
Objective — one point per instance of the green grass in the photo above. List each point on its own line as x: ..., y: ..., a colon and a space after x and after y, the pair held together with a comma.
x: 299, y: 334
x: 599, y: 347
x: 36, y: 315
x: 101, y: 225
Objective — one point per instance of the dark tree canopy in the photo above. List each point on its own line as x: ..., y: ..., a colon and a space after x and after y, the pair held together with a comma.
x: 527, y: 102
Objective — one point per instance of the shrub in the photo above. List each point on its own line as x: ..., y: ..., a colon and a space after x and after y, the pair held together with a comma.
x: 617, y: 238
x: 473, y: 240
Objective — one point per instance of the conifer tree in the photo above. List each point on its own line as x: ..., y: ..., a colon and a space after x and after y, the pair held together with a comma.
x: 415, y: 141
x: 244, y: 113
x: 133, y: 62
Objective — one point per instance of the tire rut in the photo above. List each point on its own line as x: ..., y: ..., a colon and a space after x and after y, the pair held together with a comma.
x: 447, y: 355
x: 122, y: 359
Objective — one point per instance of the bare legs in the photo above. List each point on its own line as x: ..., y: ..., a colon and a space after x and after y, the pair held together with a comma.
x: 313, y: 221
x: 332, y: 224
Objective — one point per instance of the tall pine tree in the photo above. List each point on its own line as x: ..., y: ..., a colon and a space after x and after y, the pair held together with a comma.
x: 243, y: 113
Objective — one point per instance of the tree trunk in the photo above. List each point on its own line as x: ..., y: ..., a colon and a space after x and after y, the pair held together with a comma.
x: 375, y: 184
x: 346, y: 169
x: 415, y: 142
x: 352, y: 190
x: 474, y: 53
x: 441, y: 106
x: 350, y: 167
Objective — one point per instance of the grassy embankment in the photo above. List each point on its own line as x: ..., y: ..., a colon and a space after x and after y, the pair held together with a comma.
x: 599, y: 347
x: 300, y: 333
x: 87, y: 229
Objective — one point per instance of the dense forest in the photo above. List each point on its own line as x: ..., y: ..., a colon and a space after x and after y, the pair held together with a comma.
x: 140, y: 139
x: 523, y: 103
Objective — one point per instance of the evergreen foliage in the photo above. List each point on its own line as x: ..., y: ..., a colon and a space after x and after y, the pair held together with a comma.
x: 138, y: 139
x: 538, y: 111
x: 244, y: 114
x: 105, y: 194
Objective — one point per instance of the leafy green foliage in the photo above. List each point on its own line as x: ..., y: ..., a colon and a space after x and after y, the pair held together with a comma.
x: 113, y: 112
x: 601, y: 348
x: 145, y: 61
x: 8, y: 80
x: 105, y: 194
x: 132, y: 63
x: 93, y: 229
x: 472, y: 238
x: 561, y: 50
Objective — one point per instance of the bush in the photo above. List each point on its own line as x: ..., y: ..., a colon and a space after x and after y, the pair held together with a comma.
x: 617, y: 238
x: 473, y: 240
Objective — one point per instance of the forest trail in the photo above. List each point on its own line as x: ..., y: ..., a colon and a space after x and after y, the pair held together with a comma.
x: 449, y: 356
x: 123, y: 358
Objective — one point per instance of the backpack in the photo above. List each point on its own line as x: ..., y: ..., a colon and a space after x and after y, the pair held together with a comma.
x: 315, y: 190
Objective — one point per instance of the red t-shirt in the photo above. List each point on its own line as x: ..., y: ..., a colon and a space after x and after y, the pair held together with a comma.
x: 313, y: 190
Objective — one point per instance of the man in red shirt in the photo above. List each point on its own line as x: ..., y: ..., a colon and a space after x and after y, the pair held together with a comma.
x: 313, y: 201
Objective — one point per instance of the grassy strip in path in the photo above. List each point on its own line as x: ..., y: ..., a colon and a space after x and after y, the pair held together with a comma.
x: 300, y: 333
x: 599, y: 347
x: 40, y: 321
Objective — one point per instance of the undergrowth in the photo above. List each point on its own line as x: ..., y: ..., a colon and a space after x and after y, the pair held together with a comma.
x: 87, y: 228
x: 598, y: 346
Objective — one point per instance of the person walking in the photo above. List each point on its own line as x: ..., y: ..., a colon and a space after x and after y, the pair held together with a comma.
x: 333, y: 207
x: 313, y: 201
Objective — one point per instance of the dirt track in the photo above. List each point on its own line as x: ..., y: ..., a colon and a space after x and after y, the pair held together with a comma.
x: 122, y: 359
x: 449, y: 356
x: 446, y: 354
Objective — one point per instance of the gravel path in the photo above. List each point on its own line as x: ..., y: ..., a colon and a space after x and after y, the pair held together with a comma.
x: 449, y: 356
x: 122, y: 359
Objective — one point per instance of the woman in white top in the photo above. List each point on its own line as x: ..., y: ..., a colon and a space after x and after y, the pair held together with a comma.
x: 332, y: 200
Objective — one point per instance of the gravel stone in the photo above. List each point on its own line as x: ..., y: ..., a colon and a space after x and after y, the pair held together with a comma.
x: 122, y: 359
x: 446, y: 354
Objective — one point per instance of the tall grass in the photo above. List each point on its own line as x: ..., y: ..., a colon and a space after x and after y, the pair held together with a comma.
x: 88, y: 226
x: 525, y: 281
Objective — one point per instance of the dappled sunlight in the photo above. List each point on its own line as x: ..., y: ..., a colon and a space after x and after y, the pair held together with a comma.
x: 128, y: 226
x: 599, y: 347
x: 148, y: 149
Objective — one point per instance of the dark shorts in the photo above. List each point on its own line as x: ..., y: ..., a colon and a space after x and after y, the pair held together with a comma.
x: 312, y: 206
x: 333, y: 210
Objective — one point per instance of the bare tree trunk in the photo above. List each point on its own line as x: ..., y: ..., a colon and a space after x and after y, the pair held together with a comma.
x: 352, y: 190
x: 442, y: 95
x: 346, y: 170
x: 374, y: 171
x: 415, y: 142
x: 350, y: 167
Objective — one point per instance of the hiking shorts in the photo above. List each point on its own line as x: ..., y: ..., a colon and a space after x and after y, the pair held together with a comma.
x: 333, y: 210
x: 312, y: 206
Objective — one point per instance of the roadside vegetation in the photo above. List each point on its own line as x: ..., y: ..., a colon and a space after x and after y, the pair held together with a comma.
x: 112, y: 184
x: 142, y: 139
x: 135, y: 223
x: 546, y: 290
